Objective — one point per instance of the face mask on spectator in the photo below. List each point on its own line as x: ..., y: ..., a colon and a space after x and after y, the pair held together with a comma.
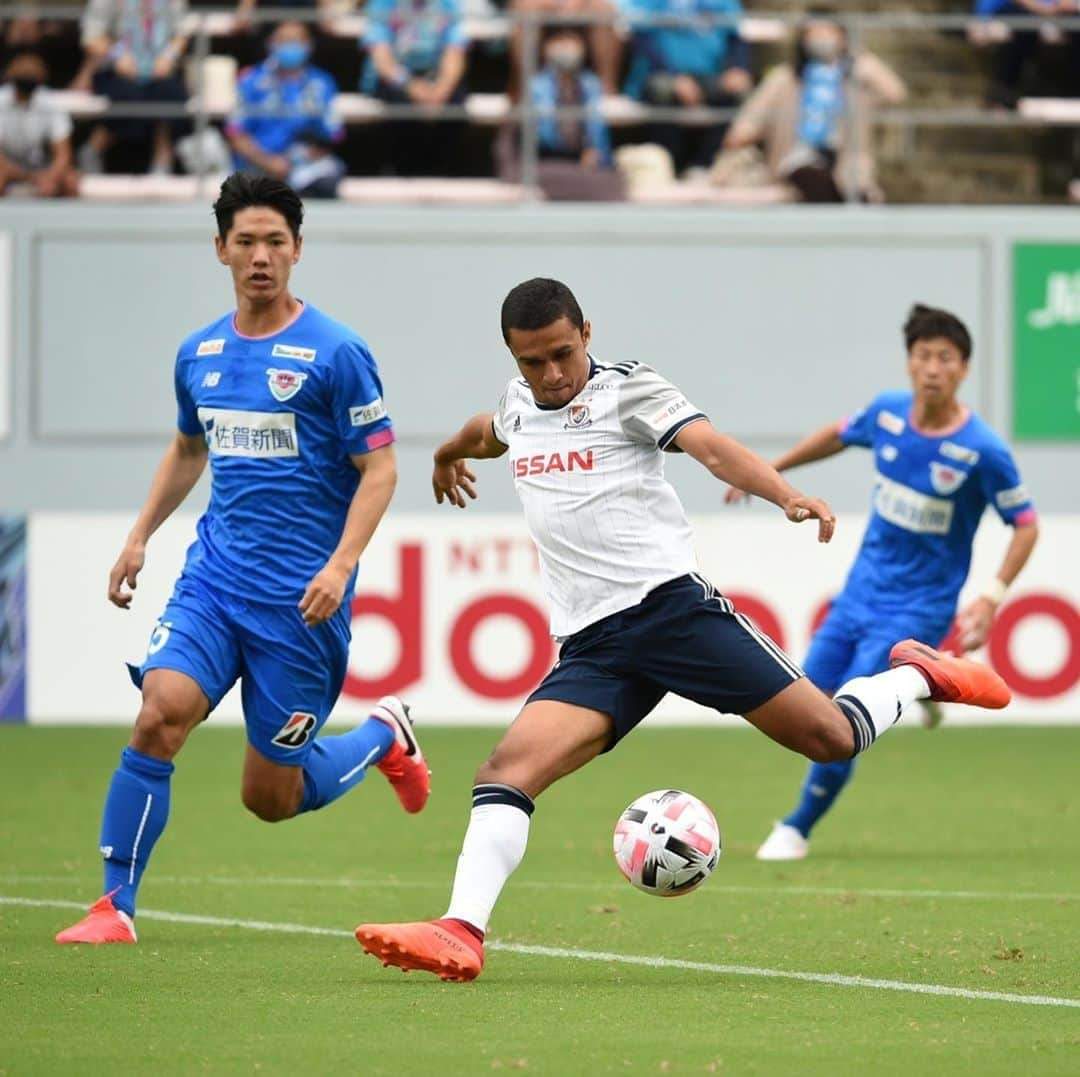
x: 292, y: 54
x: 566, y: 55
x: 24, y: 87
x: 823, y: 48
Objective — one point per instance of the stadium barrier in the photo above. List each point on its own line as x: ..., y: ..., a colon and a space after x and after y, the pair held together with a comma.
x: 449, y: 612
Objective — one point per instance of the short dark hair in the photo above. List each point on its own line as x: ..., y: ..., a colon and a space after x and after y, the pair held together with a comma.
x: 926, y: 323
x: 242, y: 190
x: 539, y: 302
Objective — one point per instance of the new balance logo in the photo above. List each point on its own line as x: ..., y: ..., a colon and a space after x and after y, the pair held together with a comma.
x: 296, y: 731
x: 544, y: 464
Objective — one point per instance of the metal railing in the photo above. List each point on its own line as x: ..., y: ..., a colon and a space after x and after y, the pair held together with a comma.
x: 201, y: 25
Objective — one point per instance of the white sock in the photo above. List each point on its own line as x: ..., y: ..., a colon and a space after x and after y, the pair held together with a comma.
x: 494, y: 846
x: 875, y: 704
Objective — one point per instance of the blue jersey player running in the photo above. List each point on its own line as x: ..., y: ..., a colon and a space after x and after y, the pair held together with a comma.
x: 287, y: 406
x: 938, y: 466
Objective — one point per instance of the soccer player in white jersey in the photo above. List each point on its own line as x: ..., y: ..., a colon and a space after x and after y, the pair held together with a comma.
x: 634, y: 617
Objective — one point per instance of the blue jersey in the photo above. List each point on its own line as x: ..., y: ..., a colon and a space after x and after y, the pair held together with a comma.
x: 282, y: 415
x: 930, y: 492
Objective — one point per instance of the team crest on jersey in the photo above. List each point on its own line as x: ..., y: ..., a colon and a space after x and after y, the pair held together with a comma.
x: 889, y: 453
x: 946, y: 479
x: 296, y: 732
x: 285, y: 384
x: 577, y: 417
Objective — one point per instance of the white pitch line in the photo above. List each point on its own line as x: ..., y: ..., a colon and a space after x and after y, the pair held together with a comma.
x: 831, y: 979
x: 538, y: 884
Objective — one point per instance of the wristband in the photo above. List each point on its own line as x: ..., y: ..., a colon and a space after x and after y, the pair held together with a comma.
x: 995, y: 591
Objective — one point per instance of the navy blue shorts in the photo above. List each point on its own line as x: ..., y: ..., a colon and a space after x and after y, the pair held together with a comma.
x: 683, y: 637
x: 290, y: 675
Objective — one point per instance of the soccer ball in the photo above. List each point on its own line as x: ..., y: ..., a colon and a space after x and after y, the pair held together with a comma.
x: 667, y: 843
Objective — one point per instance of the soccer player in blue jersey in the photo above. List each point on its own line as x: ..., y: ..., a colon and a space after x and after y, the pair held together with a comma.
x: 287, y: 406
x: 938, y: 466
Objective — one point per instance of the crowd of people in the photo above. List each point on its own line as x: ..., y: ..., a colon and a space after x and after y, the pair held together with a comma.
x: 805, y: 124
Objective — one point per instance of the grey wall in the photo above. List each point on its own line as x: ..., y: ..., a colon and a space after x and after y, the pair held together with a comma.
x: 773, y: 322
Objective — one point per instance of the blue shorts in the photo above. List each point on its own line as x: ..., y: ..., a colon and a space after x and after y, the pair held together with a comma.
x: 290, y: 675
x: 854, y: 642
x: 683, y: 637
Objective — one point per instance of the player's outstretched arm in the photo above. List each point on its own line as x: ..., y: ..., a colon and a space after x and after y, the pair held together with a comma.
x: 974, y: 620
x: 742, y: 468
x: 819, y: 445
x: 451, y: 479
x: 177, y: 474
x: 378, y: 478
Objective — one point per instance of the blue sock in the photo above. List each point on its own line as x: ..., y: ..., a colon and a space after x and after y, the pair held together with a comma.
x: 821, y: 787
x: 336, y: 764
x: 136, y: 811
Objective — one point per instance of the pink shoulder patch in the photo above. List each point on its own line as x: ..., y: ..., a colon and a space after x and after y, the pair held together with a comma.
x: 377, y: 441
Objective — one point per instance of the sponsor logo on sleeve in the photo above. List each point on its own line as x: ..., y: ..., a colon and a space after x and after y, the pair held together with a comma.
x: 668, y: 411
x: 946, y: 479
x: 296, y: 732
x: 961, y: 453
x: 368, y: 413
x: 284, y: 384
x: 260, y: 434
x: 888, y: 421
x: 517, y: 424
x: 210, y: 347
x: 290, y: 351
x: 1011, y: 499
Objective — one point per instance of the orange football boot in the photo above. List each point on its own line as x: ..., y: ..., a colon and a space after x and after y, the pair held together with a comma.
x: 103, y: 923
x: 404, y: 764
x: 952, y: 679
x: 444, y: 947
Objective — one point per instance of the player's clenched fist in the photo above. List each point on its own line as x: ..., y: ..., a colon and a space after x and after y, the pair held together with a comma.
x: 324, y: 595
x: 126, y: 571
x: 799, y: 509
x: 452, y: 482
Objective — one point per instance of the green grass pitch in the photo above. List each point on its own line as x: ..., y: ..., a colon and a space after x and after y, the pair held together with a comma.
x: 953, y: 862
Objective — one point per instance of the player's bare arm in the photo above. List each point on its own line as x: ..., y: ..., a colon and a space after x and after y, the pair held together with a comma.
x: 975, y: 619
x: 819, y: 445
x: 742, y: 468
x: 452, y: 479
x: 176, y: 476
x: 326, y: 591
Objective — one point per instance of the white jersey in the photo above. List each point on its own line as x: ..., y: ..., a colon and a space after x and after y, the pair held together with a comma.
x: 608, y: 526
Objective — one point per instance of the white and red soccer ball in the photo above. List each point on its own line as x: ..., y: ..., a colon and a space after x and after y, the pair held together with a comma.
x: 667, y: 843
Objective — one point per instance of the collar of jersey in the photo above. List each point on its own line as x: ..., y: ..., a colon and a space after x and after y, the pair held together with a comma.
x: 593, y: 368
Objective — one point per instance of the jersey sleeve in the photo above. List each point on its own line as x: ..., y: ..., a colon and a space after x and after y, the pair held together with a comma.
x: 498, y: 420
x: 858, y: 428
x: 1003, y: 487
x: 357, y: 400
x: 652, y: 410
x: 187, y: 415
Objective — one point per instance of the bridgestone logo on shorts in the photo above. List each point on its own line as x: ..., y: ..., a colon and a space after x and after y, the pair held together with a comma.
x: 296, y: 732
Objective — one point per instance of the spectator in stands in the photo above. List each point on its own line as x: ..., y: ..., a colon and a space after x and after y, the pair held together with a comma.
x: 1013, y: 55
x: 133, y: 51
x: 55, y: 39
x: 416, y: 56
x: 35, y: 135
x: 285, y: 125
x: 604, y: 42
x: 814, y: 116
x: 688, y: 65
x: 575, y: 161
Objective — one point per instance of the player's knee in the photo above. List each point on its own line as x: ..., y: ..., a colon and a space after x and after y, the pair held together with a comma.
x: 269, y: 805
x: 829, y: 739
x: 160, y: 730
